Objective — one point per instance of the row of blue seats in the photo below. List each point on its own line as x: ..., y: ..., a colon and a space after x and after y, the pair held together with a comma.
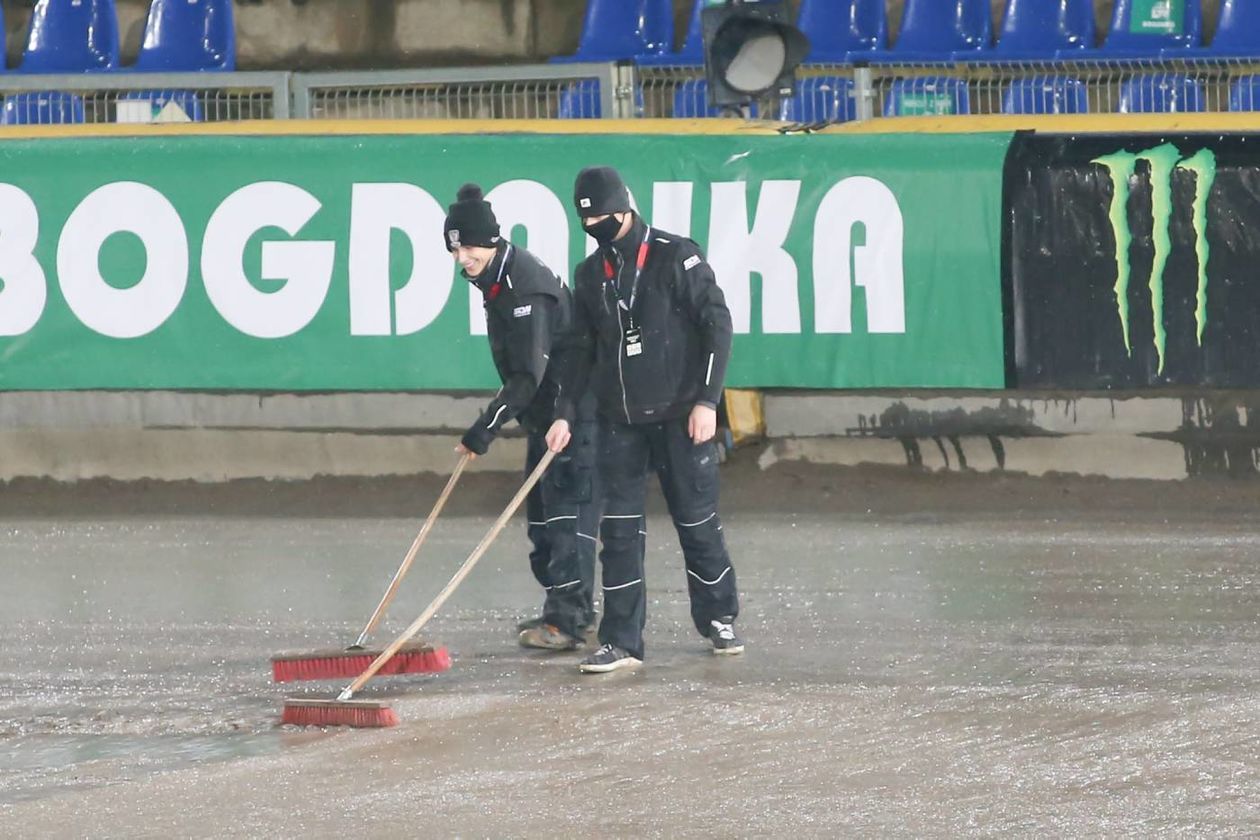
x: 76, y: 36
x: 848, y: 31
x: 830, y: 98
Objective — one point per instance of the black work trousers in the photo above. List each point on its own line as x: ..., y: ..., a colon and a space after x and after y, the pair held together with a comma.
x: 563, y: 511
x: 688, y: 474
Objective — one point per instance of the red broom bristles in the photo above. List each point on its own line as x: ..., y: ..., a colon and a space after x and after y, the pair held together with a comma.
x: 337, y: 664
x: 357, y: 713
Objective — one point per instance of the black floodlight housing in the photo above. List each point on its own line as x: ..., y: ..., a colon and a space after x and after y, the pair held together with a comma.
x: 750, y: 49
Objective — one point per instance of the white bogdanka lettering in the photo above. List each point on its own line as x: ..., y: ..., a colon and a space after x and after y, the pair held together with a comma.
x: 858, y: 240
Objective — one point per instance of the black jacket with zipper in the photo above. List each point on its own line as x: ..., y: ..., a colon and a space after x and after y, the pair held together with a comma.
x: 680, y: 314
x: 529, y: 316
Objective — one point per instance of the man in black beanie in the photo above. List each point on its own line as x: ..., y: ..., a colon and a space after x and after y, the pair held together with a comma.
x: 657, y: 334
x: 529, y: 318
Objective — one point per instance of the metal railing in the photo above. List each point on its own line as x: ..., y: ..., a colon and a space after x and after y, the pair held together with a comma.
x: 538, y: 91
x: 144, y: 97
x: 1095, y: 87
x: 834, y: 93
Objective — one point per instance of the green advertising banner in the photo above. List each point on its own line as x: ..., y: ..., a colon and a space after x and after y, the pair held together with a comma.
x: 296, y: 263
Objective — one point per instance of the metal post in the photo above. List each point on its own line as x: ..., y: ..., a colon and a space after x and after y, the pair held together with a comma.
x: 863, y: 93
x: 300, y: 94
x: 280, y: 97
x: 625, y: 82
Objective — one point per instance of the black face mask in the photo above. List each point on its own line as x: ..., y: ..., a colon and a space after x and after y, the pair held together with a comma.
x: 605, y: 230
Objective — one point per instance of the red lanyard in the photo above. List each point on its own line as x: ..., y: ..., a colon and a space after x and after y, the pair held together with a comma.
x: 638, y: 269
x: 498, y: 281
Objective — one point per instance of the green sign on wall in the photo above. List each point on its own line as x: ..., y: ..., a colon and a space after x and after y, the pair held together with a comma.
x: 1158, y: 17
x: 317, y: 263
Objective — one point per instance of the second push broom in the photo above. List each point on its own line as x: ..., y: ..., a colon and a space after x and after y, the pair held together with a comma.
x: 346, y: 711
x: 336, y: 664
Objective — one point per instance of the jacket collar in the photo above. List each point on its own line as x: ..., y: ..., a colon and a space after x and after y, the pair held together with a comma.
x: 494, y: 271
x: 627, y: 247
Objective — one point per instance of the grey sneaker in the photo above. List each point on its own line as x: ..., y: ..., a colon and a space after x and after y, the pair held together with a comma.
x: 529, y: 624
x: 722, y: 635
x: 608, y: 658
x: 547, y: 637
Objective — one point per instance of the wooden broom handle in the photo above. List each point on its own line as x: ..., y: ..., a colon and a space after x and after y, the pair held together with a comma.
x: 455, y: 581
x: 411, y: 553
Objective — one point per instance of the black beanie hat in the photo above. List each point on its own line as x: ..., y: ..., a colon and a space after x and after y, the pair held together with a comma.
x: 598, y: 191
x: 470, y: 220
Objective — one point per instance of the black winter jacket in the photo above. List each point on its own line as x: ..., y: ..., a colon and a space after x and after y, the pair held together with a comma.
x: 680, y: 314
x: 529, y: 315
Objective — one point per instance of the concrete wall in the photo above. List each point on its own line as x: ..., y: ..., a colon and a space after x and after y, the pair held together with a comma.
x: 1123, y: 436
x: 334, y: 34
x: 71, y: 436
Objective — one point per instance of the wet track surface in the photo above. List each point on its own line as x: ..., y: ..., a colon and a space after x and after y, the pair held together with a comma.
x: 939, y: 666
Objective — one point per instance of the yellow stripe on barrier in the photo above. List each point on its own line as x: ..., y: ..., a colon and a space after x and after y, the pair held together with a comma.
x: 326, y: 128
x: 1056, y: 124
x: 1049, y: 124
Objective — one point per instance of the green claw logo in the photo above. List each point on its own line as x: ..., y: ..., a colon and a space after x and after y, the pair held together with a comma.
x: 1163, y: 161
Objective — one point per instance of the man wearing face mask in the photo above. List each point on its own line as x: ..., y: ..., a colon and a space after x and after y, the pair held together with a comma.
x: 529, y: 318
x: 657, y: 336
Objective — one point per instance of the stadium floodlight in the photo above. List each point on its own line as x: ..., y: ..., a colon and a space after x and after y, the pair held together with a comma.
x: 750, y: 50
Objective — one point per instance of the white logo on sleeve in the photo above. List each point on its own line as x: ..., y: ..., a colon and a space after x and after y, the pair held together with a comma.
x: 691, y: 262
x: 522, y: 311
x: 584, y: 202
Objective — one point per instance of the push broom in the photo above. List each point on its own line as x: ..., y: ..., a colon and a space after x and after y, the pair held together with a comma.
x: 344, y: 711
x: 343, y: 664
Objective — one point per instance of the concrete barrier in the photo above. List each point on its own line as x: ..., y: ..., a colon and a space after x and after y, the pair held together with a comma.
x: 163, y: 435
x: 1155, y: 437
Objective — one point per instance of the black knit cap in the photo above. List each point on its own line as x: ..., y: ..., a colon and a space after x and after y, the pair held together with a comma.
x: 470, y: 220
x: 599, y: 191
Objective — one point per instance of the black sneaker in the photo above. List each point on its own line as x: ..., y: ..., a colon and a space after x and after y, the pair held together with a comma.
x: 608, y: 658
x: 722, y: 635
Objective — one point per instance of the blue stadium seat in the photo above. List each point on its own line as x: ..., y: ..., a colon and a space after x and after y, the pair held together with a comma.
x: 621, y: 30
x: 658, y: 26
x: 188, y: 35
x: 43, y: 108
x: 1123, y: 41
x: 927, y: 96
x: 820, y: 99
x: 692, y: 50
x: 1237, y: 33
x: 937, y: 30
x: 580, y: 101
x: 1161, y: 93
x: 187, y: 100
x: 1046, y: 95
x: 71, y: 36
x: 1244, y: 94
x: 838, y: 28
x: 1037, y: 30
x: 691, y: 99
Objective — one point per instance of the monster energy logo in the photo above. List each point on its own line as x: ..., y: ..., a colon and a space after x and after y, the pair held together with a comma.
x: 1163, y: 161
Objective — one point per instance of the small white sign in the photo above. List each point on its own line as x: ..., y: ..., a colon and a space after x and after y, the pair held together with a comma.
x: 692, y: 261
x: 134, y: 111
